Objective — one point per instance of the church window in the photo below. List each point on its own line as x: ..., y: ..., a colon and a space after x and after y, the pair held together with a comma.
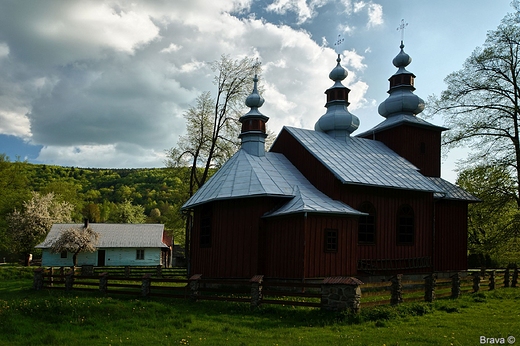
x: 331, y: 240
x: 367, y: 224
x: 405, y: 225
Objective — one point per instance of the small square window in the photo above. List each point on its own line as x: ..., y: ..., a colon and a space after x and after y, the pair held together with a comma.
x: 331, y: 240
x: 139, y: 254
x: 63, y: 254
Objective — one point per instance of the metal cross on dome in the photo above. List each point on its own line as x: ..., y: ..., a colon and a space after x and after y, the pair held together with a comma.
x: 338, y: 43
x: 401, y: 27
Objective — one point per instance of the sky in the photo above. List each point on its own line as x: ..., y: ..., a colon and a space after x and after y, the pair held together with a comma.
x: 106, y: 83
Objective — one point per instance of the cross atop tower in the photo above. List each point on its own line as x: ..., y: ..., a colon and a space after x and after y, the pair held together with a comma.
x: 401, y: 27
x: 338, y: 43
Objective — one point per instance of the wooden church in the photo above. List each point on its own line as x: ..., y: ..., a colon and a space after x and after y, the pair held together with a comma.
x: 325, y: 203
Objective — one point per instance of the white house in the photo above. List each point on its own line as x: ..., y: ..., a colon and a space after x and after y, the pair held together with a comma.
x: 118, y: 245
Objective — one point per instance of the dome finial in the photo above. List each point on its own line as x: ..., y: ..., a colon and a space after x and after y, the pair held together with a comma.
x: 401, y: 27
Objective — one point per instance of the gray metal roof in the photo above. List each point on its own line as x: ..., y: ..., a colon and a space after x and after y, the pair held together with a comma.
x: 115, y: 235
x: 246, y: 175
x: 362, y: 161
x: 451, y: 191
x: 396, y: 120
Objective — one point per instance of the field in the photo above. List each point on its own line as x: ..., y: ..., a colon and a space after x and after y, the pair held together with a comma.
x: 46, y: 317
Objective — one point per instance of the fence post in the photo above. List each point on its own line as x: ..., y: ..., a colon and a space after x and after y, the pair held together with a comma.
x: 38, y: 279
x: 341, y: 293
x: 476, y: 282
x: 158, y: 270
x: 256, y: 290
x: 492, y: 278
x: 103, y: 282
x: 145, y: 285
x: 506, y: 277
x: 51, y: 279
x: 396, y: 289
x: 127, y: 271
x: 455, y: 286
x: 194, y: 283
x: 430, y: 282
x: 514, y: 281
x: 69, y: 281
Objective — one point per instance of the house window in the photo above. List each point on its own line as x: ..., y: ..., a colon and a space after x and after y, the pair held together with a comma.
x: 405, y: 225
x: 331, y: 240
x: 63, y: 254
x: 367, y: 224
x: 205, y: 227
x: 139, y: 254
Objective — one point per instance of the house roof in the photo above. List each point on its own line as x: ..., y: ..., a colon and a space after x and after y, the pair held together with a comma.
x: 361, y: 161
x: 451, y: 191
x: 246, y: 175
x: 114, y: 235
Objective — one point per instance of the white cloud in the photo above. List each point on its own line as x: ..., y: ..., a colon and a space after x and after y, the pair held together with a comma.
x: 171, y: 48
x: 303, y: 10
x: 4, y: 50
x: 375, y: 15
x: 112, y: 98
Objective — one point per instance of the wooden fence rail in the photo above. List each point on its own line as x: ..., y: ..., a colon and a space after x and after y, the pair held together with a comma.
x: 335, y: 293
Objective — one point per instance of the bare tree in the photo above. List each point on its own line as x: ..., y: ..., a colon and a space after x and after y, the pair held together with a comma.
x: 212, y: 124
x: 30, y: 226
x: 481, y: 104
x: 76, y: 240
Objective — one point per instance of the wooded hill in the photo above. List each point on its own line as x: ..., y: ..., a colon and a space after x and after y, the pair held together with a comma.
x: 152, y: 195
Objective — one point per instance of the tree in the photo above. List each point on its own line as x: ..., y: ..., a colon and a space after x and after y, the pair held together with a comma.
x: 76, y: 240
x: 492, y: 231
x: 481, y: 104
x: 30, y: 226
x: 212, y: 124
x: 13, y: 191
x: 126, y: 212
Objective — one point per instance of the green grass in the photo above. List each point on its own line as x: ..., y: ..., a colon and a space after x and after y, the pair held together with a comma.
x: 52, y: 317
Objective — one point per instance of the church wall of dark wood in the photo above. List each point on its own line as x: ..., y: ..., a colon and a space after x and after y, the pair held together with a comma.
x: 420, y: 146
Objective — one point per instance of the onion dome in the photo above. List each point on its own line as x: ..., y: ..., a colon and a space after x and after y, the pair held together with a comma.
x: 402, y: 100
x: 253, y: 132
x: 337, y: 121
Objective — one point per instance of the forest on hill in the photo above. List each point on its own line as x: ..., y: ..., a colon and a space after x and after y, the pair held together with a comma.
x: 151, y: 195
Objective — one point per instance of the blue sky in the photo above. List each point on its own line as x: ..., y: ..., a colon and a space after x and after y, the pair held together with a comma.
x: 105, y: 83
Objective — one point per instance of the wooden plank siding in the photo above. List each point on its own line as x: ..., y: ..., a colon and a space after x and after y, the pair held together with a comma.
x: 235, y: 238
x: 284, y: 255
x: 420, y: 146
x: 451, y: 238
x: 385, y: 200
x: 318, y: 262
x: 387, y: 203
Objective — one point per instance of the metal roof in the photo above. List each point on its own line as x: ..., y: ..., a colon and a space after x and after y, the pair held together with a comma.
x: 114, y: 235
x: 363, y: 161
x: 451, y: 191
x: 246, y: 175
x: 396, y: 120
x: 311, y: 200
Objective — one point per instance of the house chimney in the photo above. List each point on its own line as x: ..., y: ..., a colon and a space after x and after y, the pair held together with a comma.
x: 86, y: 223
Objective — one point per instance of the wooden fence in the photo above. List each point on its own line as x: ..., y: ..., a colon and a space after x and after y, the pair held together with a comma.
x: 336, y: 293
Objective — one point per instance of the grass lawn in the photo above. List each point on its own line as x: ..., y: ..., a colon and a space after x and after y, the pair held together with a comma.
x: 55, y: 317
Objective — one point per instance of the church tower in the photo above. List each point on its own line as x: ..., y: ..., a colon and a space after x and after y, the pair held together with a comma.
x: 416, y: 140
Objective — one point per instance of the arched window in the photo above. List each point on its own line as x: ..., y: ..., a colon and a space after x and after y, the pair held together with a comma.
x: 405, y: 225
x: 367, y: 224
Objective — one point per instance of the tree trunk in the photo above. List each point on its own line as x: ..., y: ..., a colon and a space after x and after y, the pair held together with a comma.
x: 27, y: 259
